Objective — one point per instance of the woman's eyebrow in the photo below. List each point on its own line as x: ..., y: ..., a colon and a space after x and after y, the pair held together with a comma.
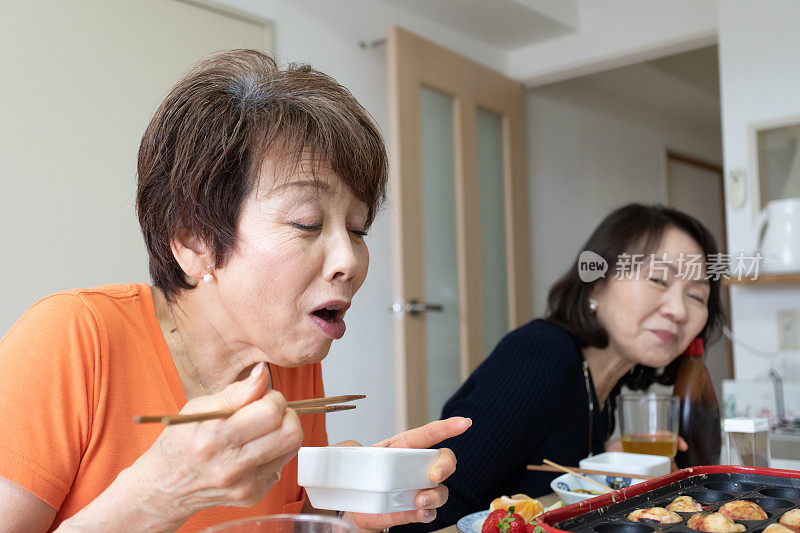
x: 670, y: 265
x: 320, y: 186
x: 677, y: 273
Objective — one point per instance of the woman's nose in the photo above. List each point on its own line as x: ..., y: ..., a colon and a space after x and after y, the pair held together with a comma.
x: 674, y: 305
x: 341, y: 260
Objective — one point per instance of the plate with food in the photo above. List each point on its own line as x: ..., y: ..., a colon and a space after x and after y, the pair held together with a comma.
x: 506, y: 514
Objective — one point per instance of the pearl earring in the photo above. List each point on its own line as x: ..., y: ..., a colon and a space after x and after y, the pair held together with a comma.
x: 207, y: 277
x: 592, y: 304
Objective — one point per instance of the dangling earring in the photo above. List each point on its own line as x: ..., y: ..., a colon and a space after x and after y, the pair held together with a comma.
x: 207, y: 277
x: 592, y: 304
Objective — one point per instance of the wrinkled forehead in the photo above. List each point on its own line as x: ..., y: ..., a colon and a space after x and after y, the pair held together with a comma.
x: 302, y: 171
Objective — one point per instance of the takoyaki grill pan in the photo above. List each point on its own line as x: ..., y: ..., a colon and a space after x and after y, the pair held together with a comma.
x: 776, y: 491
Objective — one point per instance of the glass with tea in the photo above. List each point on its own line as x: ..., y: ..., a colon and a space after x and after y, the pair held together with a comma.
x: 649, y: 423
x: 285, y: 523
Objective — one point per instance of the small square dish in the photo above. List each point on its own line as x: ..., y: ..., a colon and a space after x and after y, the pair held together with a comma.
x: 364, y: 480
x: 626, y: 463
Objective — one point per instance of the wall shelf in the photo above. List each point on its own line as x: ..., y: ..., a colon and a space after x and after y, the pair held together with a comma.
x: 765, y: 279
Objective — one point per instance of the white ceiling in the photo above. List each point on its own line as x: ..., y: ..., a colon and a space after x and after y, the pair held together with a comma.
x: 504, y: 24
x: 683, y: 86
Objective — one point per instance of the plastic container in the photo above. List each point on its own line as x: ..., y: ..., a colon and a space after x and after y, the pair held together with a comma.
x: 699, y: 410
x: 364, y: 480
x: 747, y: 441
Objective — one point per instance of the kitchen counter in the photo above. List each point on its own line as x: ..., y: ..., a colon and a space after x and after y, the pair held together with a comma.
x: 784, y: 448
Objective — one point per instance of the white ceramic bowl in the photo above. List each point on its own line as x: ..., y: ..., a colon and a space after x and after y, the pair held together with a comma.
x: 565, y: 484
x: 364, y: 480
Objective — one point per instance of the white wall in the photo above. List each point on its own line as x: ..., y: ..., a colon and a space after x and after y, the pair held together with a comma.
x: 588, y: 153
x: 320, y: 32
x: 759, y: 52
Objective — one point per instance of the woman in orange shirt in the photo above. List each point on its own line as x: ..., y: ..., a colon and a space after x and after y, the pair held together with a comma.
x: 256, y: 188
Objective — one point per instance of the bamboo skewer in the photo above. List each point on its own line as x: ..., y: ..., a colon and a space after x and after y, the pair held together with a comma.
x: 302, y: 407
x: 568, y: 470
x: 548, y: 468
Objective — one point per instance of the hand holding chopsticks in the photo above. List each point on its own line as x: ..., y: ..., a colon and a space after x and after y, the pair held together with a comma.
x: 301, y: 407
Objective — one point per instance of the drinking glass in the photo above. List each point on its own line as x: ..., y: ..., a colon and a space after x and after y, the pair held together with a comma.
x: 649, y: 423
x: 285, y: 523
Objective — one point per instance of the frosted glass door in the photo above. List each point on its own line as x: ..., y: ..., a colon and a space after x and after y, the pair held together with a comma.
x: 440, y: 248
x: 493, y: 228
x: 458, y: 202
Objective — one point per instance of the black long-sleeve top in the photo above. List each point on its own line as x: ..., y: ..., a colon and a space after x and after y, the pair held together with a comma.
x: 527, y: 401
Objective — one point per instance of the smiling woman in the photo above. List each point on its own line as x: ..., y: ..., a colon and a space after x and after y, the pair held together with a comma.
x: 562, y: 373
x: 257, y: 185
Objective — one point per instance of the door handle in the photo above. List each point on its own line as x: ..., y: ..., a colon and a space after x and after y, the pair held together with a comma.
x: 414, y: 307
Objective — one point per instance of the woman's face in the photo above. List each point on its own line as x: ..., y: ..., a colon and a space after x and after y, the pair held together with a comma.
x: 652, y: 319
x: 299, y: 260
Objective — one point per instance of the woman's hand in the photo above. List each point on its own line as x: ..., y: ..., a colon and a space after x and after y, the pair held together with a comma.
x: 682, y: 447
x: 427, y: 500
x: 230, y: 462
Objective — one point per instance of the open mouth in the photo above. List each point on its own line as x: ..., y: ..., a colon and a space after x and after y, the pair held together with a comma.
x: 329, y: 318
x: 327, y: 314
x: 332, y: 310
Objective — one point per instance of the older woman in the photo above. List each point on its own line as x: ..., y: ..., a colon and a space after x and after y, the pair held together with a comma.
x: 257, y: 186
x: 547, y: 390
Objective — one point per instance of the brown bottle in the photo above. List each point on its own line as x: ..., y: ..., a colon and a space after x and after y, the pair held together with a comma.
x: 699, y: 414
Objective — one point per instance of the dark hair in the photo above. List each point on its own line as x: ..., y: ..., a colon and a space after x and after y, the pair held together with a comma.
x: 633, y: 228
x: 201, y: 155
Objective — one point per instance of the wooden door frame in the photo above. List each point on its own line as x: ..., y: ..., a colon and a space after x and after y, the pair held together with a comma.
x: 414, y: 62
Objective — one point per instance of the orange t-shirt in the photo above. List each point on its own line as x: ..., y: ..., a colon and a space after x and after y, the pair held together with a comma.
x: 76, y: 368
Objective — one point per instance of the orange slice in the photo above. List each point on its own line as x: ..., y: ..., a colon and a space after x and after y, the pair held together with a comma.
x: 524, y: 505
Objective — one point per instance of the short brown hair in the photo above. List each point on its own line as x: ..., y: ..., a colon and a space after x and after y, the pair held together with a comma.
x: 202, y: 152
x: 631, y: 228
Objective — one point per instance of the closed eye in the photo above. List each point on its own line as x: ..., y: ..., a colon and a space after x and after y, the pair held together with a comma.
x: 698, y: 298
x: 304, y: 227
x: 658, y: 281
x: 360, y: 233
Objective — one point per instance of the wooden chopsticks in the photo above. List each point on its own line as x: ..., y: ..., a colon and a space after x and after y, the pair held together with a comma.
x: 548, y: 468
x: 568, y: 470
x: 302, y: 407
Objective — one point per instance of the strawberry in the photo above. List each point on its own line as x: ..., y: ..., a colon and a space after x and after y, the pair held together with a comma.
x: 502, y: 521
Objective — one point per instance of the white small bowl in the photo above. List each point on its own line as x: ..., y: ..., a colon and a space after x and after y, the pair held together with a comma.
x: 364, y: 480
x: 565, y: 484
x: 628, y: 463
